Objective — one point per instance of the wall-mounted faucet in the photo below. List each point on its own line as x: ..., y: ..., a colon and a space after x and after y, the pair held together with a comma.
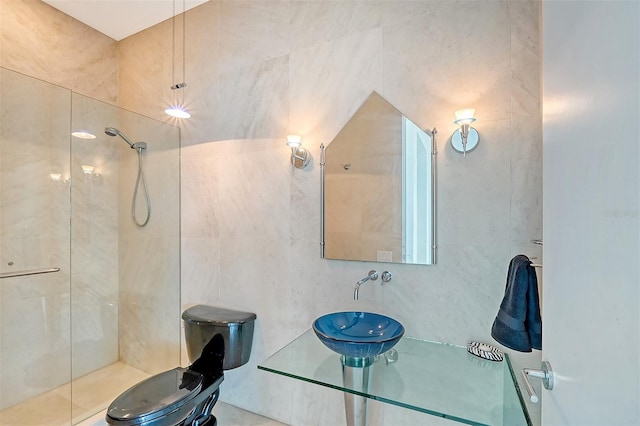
x: 373, y: 275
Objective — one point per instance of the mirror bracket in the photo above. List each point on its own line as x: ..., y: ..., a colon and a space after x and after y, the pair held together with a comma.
x: 322, y: 163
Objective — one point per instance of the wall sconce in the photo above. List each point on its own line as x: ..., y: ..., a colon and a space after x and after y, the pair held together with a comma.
x: 90, y: 174
x: 88, y: 170
x: 58, y: 179
x: 466, y: 138
x: 300, y: 157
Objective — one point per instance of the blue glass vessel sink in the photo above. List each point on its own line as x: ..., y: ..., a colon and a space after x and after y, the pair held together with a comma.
x: 358, y: 334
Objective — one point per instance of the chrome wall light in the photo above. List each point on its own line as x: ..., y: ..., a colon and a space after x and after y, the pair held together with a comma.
x: 466, y: 138
x: 300, y: 157
x: 88, y: 170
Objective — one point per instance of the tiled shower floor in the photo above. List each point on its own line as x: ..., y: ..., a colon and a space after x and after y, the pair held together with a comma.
x: 93, y: 393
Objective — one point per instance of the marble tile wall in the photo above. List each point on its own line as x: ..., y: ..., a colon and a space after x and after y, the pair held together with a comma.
x: 149, y: 256
x: 259, y: 70
x: 54, y: 223
x: 120, y: 281
x: 94, y: 238
x: 34, y: 228
x: 42, y: 42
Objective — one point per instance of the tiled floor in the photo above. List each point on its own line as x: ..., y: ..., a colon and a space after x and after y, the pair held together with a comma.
x: 93, y: 393
x: 227, y: 415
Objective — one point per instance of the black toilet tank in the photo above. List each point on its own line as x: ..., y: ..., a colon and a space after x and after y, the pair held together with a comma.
x: 202, y: 322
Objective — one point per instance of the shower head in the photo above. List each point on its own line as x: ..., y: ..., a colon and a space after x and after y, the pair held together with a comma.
x: 112, y: 131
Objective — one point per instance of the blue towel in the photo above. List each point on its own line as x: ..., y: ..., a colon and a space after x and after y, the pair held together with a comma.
x: 518, y: 324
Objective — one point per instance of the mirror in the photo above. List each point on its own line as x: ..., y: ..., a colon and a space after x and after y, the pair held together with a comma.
x: 379, y: 188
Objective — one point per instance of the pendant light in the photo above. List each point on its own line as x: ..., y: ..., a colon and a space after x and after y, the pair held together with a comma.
x: 177, y: 109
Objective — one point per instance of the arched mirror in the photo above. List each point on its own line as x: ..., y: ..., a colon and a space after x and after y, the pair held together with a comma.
x: 379, y: 188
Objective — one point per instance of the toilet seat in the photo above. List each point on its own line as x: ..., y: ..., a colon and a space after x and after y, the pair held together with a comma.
x: 156, y: 397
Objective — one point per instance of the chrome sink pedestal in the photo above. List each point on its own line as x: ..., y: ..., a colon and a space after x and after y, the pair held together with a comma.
x: 359, y: 337
x: 355, y: 374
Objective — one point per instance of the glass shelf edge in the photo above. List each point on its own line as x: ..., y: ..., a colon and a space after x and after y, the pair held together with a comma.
x: 376, y: 398
x: 306, y: 338
x: 523, y: 404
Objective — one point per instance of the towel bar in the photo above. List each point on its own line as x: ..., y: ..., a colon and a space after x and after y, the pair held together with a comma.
x: 28, y: 272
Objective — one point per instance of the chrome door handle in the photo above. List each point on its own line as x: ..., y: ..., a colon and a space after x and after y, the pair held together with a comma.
x: 545, y: 373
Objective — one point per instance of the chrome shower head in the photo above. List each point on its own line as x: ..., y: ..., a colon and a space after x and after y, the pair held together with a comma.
x: 112, y: 131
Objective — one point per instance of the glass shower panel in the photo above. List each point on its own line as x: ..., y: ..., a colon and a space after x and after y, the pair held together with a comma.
x: 35, y: 315
x: 149, y: 256
x: 72, y: 340
x: 125, y: 278
x: 94, y: 254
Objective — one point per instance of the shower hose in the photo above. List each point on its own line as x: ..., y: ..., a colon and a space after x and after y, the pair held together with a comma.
x: 135, y: 193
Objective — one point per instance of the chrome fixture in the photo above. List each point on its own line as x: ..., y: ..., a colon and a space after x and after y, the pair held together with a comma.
x: 537, y: 242
x: 373, y: 275
x: 545, y: 373
x: 466, y: 138
x: 58, y: 179
x: 28, y: 272
x: 138, y: 146
x: 300, y: 157
x: 177, y: 109
x: 87, y: 169
x: 112, y: 131
x: 391, y: 356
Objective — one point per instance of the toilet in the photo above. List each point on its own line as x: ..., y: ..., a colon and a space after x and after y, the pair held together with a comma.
x: 217, y: 339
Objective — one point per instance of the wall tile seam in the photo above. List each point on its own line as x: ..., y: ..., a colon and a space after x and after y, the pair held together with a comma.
x: 516, y: 54
x: 512, y: 232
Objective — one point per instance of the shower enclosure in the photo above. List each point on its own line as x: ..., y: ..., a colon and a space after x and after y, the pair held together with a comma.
x: 104, y: 311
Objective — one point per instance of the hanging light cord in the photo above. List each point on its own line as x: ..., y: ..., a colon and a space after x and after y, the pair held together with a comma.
x: 184, y: 46
x: 183, y: 84
x: 173, y: 46
x: 177, y: 109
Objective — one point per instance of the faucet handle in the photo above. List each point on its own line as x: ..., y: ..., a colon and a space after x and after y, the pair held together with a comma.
x: 386, y: 276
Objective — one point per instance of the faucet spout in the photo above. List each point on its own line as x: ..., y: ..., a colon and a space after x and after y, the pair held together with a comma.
x: 373, y: 275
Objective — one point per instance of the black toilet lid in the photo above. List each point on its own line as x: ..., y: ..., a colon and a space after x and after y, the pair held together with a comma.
x: 157, y: 395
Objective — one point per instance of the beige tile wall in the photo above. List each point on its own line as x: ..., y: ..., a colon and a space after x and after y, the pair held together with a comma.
x: 121, y: 286
x: 35, y: 336
x: 259, y: 70
x: 42, y: 42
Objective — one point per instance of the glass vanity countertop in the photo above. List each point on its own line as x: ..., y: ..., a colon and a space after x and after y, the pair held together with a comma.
x: 434, y: 378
